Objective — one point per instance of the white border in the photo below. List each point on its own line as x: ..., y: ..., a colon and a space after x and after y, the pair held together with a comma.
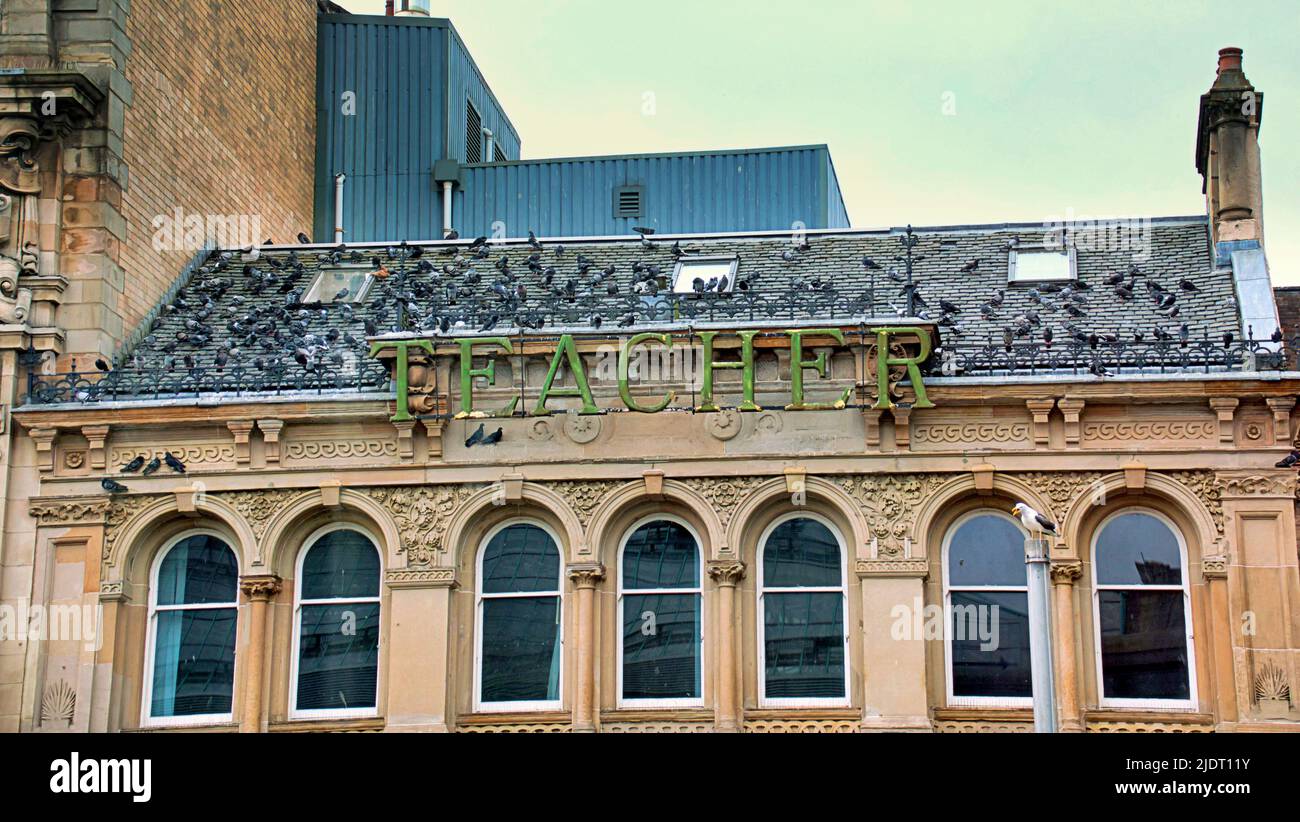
x: 1192, y: 701
x: 764, y: 701
x: 694, y: 702
x: 298, y: 602
x: 953, y: 700
x: 523, y: 704
x: 146, y: 691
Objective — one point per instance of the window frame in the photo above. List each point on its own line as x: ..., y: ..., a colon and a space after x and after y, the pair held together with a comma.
x: 760, y: 616
x: 479, y: 706
x: 296, y: 649
x: 953, y: 700
x: 1192, y: 703
x: 1071, y: 253
x: 147, y: 720
x: 671, y: 702
x: 352, y: 299
x: 684, y: 263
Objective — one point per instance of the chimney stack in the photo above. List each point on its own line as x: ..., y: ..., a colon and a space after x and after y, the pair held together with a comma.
x: 1227, y: 157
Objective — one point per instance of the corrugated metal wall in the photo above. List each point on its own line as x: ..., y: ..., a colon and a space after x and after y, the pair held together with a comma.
x: 762, y: 189
x: 467, y: 83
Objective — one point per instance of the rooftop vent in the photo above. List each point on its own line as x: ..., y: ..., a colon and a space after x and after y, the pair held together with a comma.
x: 473, y: 134
x: 628, y: 201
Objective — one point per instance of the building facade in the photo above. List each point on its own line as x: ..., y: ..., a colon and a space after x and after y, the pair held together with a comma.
x: 736, y: 481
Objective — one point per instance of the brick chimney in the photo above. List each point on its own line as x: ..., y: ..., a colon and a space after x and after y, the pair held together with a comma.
x: 1227, y: 156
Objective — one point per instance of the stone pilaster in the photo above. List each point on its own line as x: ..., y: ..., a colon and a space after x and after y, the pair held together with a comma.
x: 894, y: 687
x: 259, y: 591
x: 726, y: 575
x: 1064, y: 576
x: 585, y: 578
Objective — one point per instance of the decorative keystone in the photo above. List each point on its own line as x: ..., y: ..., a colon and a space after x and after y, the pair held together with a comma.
x: 983, y: 477
x: 186, y: 499
x: 654, y: 483
x: 796, y: 480
x: 1135, y: 476
x: 330, y: 491
x: 512, y: 487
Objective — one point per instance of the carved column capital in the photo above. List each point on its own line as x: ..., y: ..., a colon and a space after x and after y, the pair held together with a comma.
x: 586, y: 574
x: 1066, y: 572
x: 261, y: 588
x: 727, y: 572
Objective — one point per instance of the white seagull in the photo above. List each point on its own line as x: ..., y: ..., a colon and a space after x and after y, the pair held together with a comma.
x: 1033, y: 521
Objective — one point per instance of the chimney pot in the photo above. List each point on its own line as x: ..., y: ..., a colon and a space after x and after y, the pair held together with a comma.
x: 1229, y: 59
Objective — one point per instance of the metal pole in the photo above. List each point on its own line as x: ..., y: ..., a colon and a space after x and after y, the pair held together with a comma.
x: 1037, y: 564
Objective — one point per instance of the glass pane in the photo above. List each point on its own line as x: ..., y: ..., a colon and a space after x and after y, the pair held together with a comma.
x: 661, y: 554
x: 342, y: 564
x: 198, y: 570
x: 521, y: 558
x: 1138, y: 549
x: 661, y: 646
x: 194, y: 662
x: 1144, y: 645
x: 521, y: 649
x: 338, y: 656
x: 987, y: 549
x: 990, y: 644
x: 801, y: 553
x: 803, y: 641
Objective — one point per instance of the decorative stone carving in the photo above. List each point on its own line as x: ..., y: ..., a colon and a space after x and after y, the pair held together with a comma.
x: 724, y: 424
x: 769, y: 424
x: 202, y: 454
x: 121, y: 510
x: 892, y: 568
x: 1214, y: 567
x: 422, y: 513
x: 727, y: 572
x: 1067, y: 572
x: 258, y: 507
x: 1207, y: 490
x: 890, y: 502
x: 420, y: 577
x: 59, y: 705
x: 586, y: 575
x: 981, y: 433
x: 332, y: 449
x: 724, y: 493
x: 68, y: 510
x: 1256, y: 485
x: 1198, y: 431
x: 583, y: 497
x: 1062, y: 488
x: 263, y: 587
x: 541, y: 429
x: 582, y: 428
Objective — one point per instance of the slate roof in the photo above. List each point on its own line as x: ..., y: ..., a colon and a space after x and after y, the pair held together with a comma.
x: 230, y: 302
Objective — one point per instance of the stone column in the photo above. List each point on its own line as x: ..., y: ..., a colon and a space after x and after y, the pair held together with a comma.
x: 893, y: 667
x: 259, y: 590
x: 726, y: 574
x: 1214, y: 570
x: 585, y: 578
x: 1064, y: 575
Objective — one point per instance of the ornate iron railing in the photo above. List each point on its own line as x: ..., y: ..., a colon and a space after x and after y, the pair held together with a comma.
x: 1115, y: 358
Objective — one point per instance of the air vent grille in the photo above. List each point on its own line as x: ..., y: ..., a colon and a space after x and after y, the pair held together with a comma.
x: 473, y: 134
x: 628, y: 202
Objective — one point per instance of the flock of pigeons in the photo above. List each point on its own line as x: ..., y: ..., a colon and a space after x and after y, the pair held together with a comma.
x: 112, y: 486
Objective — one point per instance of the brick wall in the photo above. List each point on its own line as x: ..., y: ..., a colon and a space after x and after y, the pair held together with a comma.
x: 1288, y: 308
x: 221, y: 122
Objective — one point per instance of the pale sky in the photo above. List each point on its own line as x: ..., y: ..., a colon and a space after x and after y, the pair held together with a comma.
x: 1083, y: 108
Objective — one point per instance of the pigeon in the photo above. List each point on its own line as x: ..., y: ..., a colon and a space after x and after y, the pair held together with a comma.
x: 1187, y: 285
x: 475, y: 438
x: 102, y: 365
x: 1288, y: 461
x: 493, y: 438
x: 134, y: 465
x: 154, y: 465
x: 1033, y: 521
x: 304, y: 239
x: 112, y: 486
x: 173, y: 463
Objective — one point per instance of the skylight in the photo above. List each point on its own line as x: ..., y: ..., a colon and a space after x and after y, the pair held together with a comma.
x: 715, y: 275
x: 1041, y: 264
x: 329, y: 286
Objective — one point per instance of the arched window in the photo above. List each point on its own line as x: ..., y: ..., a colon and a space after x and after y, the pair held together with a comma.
x: 986, y: 608
x: 519, y: 619
x: 801, y: 593
x: 336, y: 626
x: 660, y: 618
x: 1143, y: 612
x: 193, y: 602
